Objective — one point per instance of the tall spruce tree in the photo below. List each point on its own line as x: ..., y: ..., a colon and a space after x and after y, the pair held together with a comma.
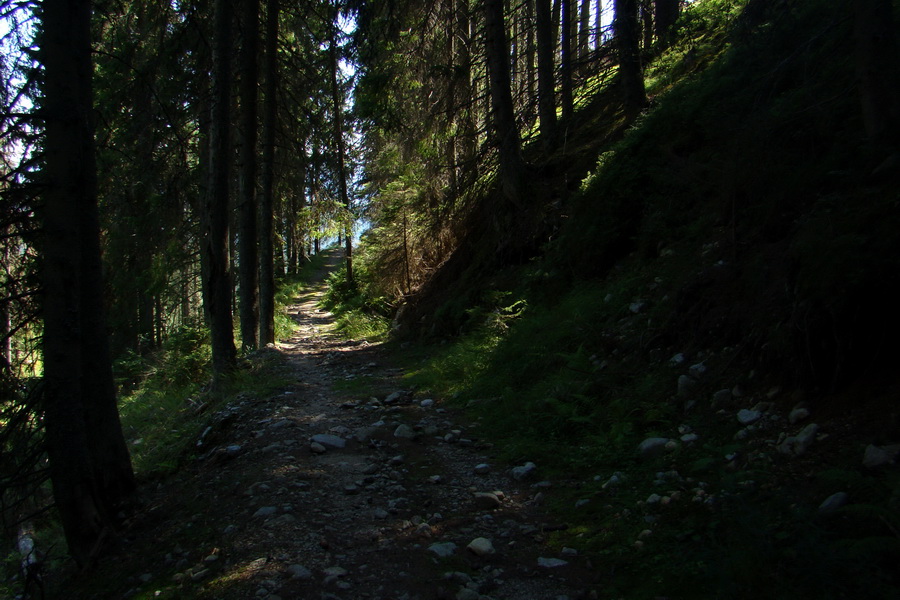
x: 89, y: 464
x: 217, y: 279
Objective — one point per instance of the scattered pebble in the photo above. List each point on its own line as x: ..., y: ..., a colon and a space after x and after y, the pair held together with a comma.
x: 300, y: 572
x: 748, y: 417
x: 481, y: 547
x: 404, y: 431
x: 651, y: 447
x: 329, y: 440
x: 265, y: 511
x: 524, y: 472
x: 442, y: 549
x: 797, y: 415
x: 551, y: 563
x: 833, y: 502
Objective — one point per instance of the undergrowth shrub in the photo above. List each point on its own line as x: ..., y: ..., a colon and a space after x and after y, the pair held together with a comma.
x: 360, y: 312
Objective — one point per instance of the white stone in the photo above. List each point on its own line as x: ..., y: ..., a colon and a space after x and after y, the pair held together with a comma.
x: 722, y: 397
x: 614, y: 480
x: 551, y: 563
x: 467, y: 594
x: 394, y: 397
x: 481, y: 547
x: 651, y: 447
x: 877, y: 456
x: 798, y: 444
x: 335, y: 572
x: 748, y: 417
x: 442, y: 549
x: 797, y: 415
x: 329, y: 441
x: 265, y: 511
x: 405, y: 432
x: 299, y: 572
x: 833, y: 502
x: 524, y: 471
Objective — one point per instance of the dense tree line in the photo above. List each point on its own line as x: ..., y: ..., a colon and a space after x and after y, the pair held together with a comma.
x: 451, y: 91
x: 164, y: 163
x: 137, y: 199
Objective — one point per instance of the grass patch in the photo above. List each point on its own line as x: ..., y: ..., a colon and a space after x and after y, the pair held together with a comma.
x: 165, y: 403
x: 358, y: 314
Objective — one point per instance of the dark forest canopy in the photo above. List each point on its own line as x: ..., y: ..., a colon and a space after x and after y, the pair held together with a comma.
x: 164, y: 164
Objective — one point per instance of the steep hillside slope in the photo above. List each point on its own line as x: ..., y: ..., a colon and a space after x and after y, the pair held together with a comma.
x: 719, y: 284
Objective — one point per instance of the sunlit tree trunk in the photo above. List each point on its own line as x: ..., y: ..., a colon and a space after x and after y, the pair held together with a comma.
x: 584, y: 30
x: 338, y: 105
x: 506, y: 132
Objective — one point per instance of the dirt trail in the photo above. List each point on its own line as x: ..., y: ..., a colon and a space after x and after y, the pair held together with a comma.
x: 345, y: 485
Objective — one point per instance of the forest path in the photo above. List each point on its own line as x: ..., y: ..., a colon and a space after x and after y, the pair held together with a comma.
x: 347, y: 486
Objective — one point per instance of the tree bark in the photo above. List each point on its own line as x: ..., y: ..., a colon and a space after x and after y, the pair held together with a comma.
x: 506, y: 133
x: 466, y: 92
x: 565, y: 60
x: 80, y: 416
x: 248, y: 265
x: 627, y: 31
x: 217, y: 282
x: 546, y: 42
x: 530, y: 62
x: 876, y: 69
x: 584, y: 30
x: 266, y: 201
x: 666, y: 15
x: 338, y: 104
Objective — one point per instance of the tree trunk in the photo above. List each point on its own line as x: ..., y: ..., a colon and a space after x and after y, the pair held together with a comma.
x: 666, y: 15
x: 546, y: 42
x: 530, y: 61
x: 80, y: 416
x: 512, y: 166
x: 466, y: 92
x: 217, y: 282
x: 584, y: 31
x: 266, y: 202
x: 565, y: 59
x: 248, y: 265
x: 876, y: 69
x: 338, y: 105
x: 627, y: 30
